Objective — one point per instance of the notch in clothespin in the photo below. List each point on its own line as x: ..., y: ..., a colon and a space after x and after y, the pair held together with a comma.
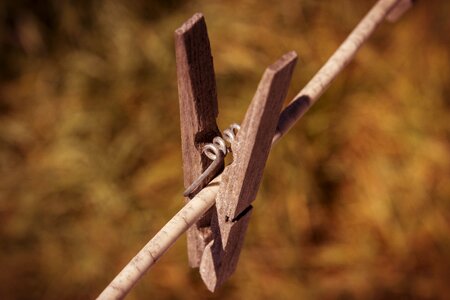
x: 399, y: 9
x: 241, y: 179
x: 198, y: 113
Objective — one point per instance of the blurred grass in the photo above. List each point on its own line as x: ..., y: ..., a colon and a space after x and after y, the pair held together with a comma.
x: 355, y: 202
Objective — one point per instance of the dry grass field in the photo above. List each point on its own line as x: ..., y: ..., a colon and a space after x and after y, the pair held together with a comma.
x: 355, y: 201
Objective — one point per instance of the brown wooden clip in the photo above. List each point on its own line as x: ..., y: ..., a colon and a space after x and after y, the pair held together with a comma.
x: 241, y: 179
x: 215, y: 242
x: 198, y: 113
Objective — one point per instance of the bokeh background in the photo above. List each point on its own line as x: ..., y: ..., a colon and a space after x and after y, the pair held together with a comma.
x: 355, y: 202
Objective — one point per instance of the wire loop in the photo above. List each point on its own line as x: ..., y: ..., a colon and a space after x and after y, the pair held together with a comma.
x: 215, y: 151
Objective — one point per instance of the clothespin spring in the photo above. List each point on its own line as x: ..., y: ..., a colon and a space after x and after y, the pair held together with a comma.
x: 216, y: 151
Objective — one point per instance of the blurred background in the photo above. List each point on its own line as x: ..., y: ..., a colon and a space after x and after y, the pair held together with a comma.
x: 355, y: 202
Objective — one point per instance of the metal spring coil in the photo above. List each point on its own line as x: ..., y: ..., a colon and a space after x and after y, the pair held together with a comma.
x: 218, y: 144
x: 216, y: 151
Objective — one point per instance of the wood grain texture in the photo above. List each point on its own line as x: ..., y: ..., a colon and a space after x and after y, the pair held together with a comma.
x: 219, y: 261
x: 241, y: 179
x: 198, y: 113
x: 254, y: 139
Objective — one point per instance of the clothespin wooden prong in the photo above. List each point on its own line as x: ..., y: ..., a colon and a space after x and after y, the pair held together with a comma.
x: 241, y: 179
x: 198, y: 113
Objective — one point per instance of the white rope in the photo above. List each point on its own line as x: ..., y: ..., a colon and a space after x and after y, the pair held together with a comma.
x: 329, y: 71
x: 161, y: 242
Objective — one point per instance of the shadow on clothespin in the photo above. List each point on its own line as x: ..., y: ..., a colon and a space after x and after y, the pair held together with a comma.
x: 198, y: 113
x: 241, y: 179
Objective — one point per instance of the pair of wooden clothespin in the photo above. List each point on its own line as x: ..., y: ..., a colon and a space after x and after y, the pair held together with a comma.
x: 215, y: 241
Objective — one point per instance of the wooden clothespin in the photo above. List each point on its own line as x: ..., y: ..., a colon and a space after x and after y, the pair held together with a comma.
x: 214, y: 243
x: 241, y: 179
x: 198, y: 113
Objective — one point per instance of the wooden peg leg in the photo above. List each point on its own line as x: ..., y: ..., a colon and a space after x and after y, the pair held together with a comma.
x: 241, y: 180
x: 198, y: 113
x: 219, y: 261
